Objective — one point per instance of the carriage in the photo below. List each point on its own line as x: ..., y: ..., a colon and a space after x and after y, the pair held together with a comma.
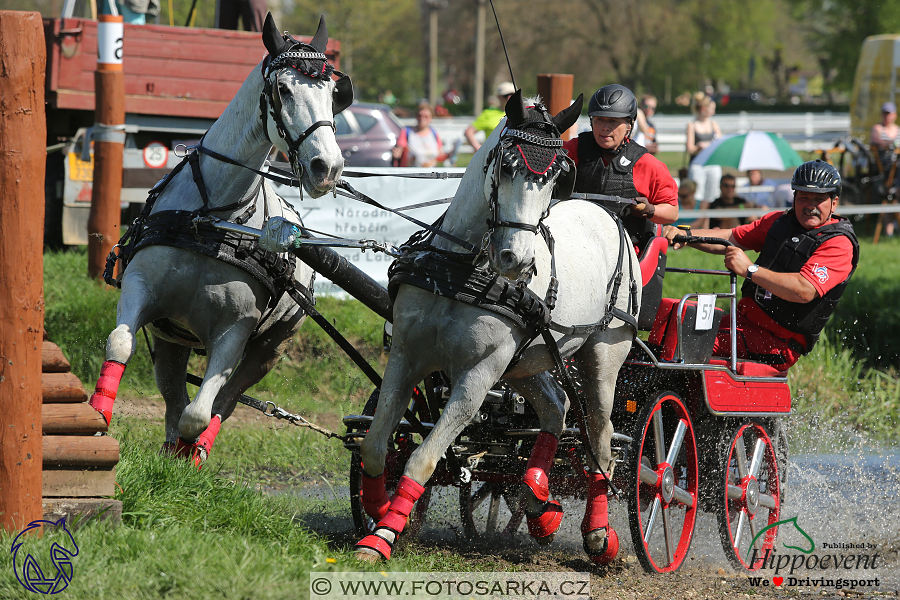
x: 692, y: 432
x: 675, y: 413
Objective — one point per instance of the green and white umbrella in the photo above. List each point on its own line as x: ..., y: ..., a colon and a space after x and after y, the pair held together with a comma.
x: 752, y: 150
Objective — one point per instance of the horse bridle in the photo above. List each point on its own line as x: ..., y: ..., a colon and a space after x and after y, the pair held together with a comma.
x: 301, y: 57
x: 509, y: 153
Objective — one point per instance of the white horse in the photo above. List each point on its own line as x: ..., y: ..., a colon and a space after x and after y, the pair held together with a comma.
x: 289, y: 100
x: 474, y: 346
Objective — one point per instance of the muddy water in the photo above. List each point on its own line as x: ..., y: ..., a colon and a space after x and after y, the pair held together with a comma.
x: 838, y: 499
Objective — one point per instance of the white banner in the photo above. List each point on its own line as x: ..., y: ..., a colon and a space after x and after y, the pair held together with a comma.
x: 352, y: 219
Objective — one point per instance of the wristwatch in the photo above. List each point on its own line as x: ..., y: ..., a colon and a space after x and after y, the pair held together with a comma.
x: 751, y: 270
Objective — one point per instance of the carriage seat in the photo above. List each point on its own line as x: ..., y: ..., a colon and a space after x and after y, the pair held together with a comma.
x: 696, y: 347
x: 652, y: 259
x: 749, y: 368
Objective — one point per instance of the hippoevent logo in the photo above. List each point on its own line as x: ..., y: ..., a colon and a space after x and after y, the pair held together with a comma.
x: 28, y: 570
x: 853, y: 563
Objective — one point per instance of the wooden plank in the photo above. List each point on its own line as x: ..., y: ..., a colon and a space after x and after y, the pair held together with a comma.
x: 79, y: 483
x: 161, y: 63
x: 71, y: 419
x: 54, y: 361
x: 62, y: 387
x: 80, y: 451
x: 79, y: 510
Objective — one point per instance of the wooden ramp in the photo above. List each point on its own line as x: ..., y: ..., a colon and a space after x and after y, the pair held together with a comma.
x: 79, y: 459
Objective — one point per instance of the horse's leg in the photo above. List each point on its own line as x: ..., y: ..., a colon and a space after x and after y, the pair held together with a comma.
x: 549, y: 401
x: 400, y: 377
x: 169, y: 367
x: 121, y: 343
x: 260, y: 356
x: 599, y: 361
x: 225, y: 352
x: 467, y: 394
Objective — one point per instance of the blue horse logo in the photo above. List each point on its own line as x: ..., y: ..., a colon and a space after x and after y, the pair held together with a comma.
x: 29, y: 572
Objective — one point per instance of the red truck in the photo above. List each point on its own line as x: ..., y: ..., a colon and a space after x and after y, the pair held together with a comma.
x: 178, y: 80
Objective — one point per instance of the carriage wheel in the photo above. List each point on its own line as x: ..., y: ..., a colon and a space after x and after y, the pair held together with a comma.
x: 363, y: 523
x: 490, y: 509
x: 749, y: 495
x: 663, y: 509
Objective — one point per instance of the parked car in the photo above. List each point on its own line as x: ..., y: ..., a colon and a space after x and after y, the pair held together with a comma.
x: 366, y: 133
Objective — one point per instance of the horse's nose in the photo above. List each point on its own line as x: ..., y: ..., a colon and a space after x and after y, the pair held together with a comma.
x: 509, y: 262
x: 324, y: 172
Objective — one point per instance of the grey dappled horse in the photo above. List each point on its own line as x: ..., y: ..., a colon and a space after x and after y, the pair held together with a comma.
x: 474, y: 346
x: 223, y: 306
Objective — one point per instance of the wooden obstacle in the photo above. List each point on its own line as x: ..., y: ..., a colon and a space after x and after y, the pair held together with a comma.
x: 79, y: 465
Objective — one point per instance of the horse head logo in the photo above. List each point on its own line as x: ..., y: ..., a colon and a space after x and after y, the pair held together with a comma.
x: 29, y: 572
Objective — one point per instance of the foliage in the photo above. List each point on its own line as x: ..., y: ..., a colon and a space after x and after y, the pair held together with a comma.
x: 836, y: 29
x: 382, y: 42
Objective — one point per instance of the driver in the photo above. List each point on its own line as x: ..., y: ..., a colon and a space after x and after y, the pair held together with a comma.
x: 610, y: 162
x: 807, y: 256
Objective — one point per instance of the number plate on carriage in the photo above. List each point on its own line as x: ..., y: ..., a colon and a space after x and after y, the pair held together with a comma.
x: 706, y: 304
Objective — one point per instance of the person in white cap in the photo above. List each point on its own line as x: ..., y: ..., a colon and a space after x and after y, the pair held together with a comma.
x: 490, y: 117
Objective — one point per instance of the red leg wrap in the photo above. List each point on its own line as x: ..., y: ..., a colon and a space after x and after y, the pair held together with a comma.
x: 408, y: 491
x: 374, y: 496
x: 167, y: 449
x: 203, y: 446
x: 208, y: 437
x: 612, y: 548
x: 376, y: 543
x: 548, y: 523
x: 539, y: 464
x: 182, y: 449
x: 104, y: 395
x: 595, y: 514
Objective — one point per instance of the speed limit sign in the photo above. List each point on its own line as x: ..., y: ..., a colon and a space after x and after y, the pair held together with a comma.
x: 156, y: 155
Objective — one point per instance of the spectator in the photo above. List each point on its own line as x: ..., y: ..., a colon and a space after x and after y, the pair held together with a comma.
x: 885, y: 141
x: 252, y: 14
x: 729, y: 199
x: 687, y: 201
x: 700, y: 134
x: 646, y: 133
x: 807, y: 256
x: 136, y: 11
x: 419, y: 146
x: 762, y: 199
x: 490, y: 117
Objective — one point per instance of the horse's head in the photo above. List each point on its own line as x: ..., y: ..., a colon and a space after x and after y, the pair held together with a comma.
x: 525, y: 168
x: 299, y: 101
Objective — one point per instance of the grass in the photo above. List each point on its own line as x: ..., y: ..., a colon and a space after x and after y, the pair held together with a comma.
x: 186, y: 534
x: 218, y: 533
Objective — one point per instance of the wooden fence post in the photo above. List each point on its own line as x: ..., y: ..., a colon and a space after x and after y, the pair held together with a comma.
x: 23, y: 138
x: 104, y: 222
x: 556, y: 92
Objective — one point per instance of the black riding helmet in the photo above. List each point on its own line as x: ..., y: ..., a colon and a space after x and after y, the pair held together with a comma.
x: 613, y: 100
x: 816, y: 176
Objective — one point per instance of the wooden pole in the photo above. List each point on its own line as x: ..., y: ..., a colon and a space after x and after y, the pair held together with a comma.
x: 433, y: 55
x: 479, y: 58
x: 556, y: 91
x: 23, y: 135
x: 104, y: 227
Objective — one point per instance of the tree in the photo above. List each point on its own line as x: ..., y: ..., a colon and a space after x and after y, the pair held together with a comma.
x: 381, y: 42
x: 836, y: 30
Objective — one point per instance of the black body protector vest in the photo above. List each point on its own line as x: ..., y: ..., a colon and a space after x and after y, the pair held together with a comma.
x: 613, y: 179
x: 787, y: 247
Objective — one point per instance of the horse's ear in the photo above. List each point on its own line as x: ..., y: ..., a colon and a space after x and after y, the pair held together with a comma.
x: 567, y: 116
x: 320, y: 40
x: 515, y: 110
x: 271, y: 38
